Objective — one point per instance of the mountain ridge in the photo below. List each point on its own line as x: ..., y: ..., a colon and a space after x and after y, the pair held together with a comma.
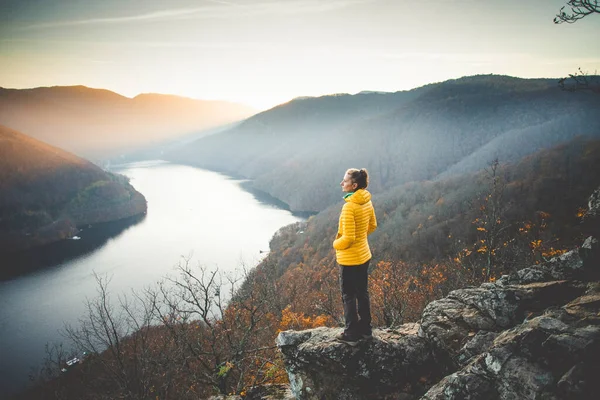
x: 399, y: 137
x: 99, y: 123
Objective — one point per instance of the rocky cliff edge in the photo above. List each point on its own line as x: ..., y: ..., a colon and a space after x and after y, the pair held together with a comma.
x: 534, y: 334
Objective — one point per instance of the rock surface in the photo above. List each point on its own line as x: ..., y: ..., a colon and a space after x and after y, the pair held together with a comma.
x: 319, y: 367
x: 534, y: 334
x: 591, y: 218
x: 264, y: 392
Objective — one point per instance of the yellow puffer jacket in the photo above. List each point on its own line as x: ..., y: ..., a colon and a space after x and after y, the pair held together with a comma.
x: 357, y: 220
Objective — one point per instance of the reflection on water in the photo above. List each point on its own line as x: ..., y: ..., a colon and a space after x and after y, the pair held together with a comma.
x: 266, y: 198
x: 191, y: 213
x: 54, y: 254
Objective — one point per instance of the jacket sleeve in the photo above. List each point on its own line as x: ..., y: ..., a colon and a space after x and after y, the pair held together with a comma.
x: 372, y: 222
x: 348, y: 229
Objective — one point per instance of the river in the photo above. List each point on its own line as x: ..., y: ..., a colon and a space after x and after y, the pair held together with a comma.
x: 192, y: 214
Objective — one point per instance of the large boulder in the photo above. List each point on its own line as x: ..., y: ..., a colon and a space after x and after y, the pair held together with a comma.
x: 552, y: 356
x: 394, y: 361
x: 591, y: 219
x: 466, y: 314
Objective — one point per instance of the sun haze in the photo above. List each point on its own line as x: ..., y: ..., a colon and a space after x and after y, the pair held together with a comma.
x: 265, y: 52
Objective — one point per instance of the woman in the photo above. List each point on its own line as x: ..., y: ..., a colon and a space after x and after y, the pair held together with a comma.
x: 353, y: 255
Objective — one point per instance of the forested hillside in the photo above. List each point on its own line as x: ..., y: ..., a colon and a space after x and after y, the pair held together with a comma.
x: 45, y: 193
x: 298, y: 151
x: 98, y: 124
x: 438, y: 236
x: 541, y: 197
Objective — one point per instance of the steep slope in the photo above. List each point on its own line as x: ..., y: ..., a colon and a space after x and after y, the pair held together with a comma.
x: 98, y: 123
x: 299, y: 151
x: 45, y: 193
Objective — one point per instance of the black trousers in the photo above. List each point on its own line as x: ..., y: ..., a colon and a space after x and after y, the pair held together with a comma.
x: 355, y: 297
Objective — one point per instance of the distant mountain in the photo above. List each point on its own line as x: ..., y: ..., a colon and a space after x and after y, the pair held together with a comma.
x: 302, y: 132
x: 97, y: 123
x: 299, y: 151
x: 46, y: 193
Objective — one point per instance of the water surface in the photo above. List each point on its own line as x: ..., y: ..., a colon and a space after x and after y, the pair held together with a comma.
x: 192, y: 213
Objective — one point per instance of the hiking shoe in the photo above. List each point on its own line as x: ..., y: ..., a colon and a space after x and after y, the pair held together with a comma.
x: 349, y: 340
x: 366, y: 333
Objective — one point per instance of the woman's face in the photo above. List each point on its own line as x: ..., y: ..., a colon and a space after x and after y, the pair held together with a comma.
x: 347, y: 184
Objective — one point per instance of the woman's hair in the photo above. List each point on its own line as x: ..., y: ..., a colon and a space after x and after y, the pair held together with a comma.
x: 359, y: 176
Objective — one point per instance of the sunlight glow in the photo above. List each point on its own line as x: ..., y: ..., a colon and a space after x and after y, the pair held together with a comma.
x: 262, y: 53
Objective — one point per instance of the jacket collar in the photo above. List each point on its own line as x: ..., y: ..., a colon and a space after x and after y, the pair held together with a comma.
x: 361, y: 196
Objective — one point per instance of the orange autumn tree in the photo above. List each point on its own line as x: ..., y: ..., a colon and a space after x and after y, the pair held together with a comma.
x: 400, y: 291
x: 501, y: 244
x: 523, y: 244
x: 541, y: 243
x: 300, y: 321
x: 311, y: 291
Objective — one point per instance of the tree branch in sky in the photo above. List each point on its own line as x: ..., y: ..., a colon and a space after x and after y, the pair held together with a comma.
x: 579, y: 10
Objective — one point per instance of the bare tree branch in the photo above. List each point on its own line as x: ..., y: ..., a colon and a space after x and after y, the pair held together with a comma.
x: 578, y: 9
x: 580, y: 81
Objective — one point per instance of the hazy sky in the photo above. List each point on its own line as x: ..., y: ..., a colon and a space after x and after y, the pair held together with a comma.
x: 265, y: 52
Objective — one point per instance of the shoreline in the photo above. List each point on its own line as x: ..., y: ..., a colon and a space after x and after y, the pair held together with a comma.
x: 246, y: 184
x: 51, y: 254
